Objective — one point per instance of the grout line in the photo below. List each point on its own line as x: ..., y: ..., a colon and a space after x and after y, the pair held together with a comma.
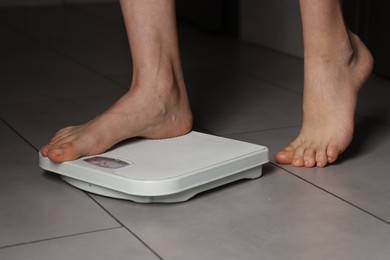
x: 106, y: 77
x: 89, y: 195
x: 261, y: 130
x: 124, y: 226
x: 60, y: 237
x: 292, y: 56
x: 250, y: 74
x: 67, y: 99
x: 17, y: 133
x: 330, y: 193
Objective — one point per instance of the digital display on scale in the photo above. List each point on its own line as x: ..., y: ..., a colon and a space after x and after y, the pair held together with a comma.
x: 106, y: 162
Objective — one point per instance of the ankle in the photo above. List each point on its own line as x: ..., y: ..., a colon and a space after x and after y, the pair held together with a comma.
x: 339, y: 49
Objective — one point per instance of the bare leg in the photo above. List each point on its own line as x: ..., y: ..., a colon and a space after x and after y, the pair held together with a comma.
x: 337, y: 64
x: 156, y: 106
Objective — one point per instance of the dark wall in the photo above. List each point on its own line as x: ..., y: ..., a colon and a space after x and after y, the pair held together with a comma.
x: 213, y: 15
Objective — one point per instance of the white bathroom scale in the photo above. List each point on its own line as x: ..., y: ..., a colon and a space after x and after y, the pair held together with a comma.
x: 164, y: 170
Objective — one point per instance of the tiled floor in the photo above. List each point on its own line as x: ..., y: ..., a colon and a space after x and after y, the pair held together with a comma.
x: 62, y: 66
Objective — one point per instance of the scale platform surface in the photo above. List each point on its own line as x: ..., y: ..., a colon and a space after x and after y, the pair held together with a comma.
x: 165, y: 170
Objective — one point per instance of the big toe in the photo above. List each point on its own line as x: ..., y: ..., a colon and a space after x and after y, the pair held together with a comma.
x: 44, y: 150
x: 65, y: 152
x: 284, y: 157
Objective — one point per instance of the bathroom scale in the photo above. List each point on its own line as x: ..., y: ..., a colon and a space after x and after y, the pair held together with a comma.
x: 164, y: 170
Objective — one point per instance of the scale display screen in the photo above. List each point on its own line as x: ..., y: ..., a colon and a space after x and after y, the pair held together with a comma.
x: 106, y: 162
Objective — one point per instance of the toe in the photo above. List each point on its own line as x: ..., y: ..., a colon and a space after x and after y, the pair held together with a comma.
x: 44, y: 150
x: 309, y: 157
x: 332, y: 153
x: 64, y: 152
x: 321, y: 157
x: 284, y: 157
x: 298, y: 156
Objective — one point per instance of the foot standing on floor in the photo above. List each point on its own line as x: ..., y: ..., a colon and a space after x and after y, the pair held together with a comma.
x: 336, y: 65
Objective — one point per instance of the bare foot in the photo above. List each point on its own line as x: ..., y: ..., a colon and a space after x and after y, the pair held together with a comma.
x: 145, y: 111
x: 331, y: 87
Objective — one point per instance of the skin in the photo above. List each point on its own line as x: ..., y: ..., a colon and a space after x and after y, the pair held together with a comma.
x: 156, y: 106
x: 336, y: 65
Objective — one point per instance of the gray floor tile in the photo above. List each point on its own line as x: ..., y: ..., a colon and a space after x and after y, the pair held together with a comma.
x: 225, y: 101
x: 38, y: 122
x: 36, y: 205
x: 275, y: 67
x: 361, y: 176
x: 122, y: 79
x: 66, y: 71
x: 74, y: 23
x: 105, y: 54
x: 44, y: 75
x: 275, y: 217
x: 110, y: 244
x: 274, y: 139
x: 97, y: 44
x: 13, y: 42
x: 110, y: 12
x: 374, y: 100
x: 200, y: 49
